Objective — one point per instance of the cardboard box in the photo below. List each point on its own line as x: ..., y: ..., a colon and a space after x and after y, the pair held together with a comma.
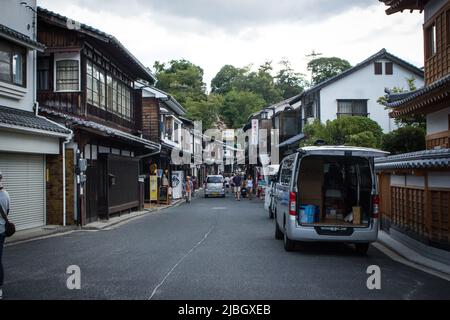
x: 356, y: 215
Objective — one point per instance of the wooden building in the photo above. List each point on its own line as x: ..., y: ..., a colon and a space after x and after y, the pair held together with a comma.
x: 86, y: 81
x: 415, y: 187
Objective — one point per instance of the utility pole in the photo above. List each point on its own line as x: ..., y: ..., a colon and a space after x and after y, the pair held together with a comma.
x: 313, y: 55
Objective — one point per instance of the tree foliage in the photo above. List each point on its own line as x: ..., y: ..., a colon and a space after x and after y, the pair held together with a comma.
x: 182, y: 79
x: 404, y: 139
x: 356, y: 131
x: 324, y: 68
x: 238, y: 106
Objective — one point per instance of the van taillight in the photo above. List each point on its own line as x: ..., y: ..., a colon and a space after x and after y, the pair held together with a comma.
x: 376, y: 206
x: 293, y: 204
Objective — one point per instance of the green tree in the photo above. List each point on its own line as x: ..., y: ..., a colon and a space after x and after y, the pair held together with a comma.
x: 238, y: 106
x: 206, y: 111
x: 356, y: 131
x: 227, y: 79
x: 262, y: 83
x: 324, y: 68
x: 289, y: 82
x: 416, y: 120
x: 182, y: 79
x: 404, y: 139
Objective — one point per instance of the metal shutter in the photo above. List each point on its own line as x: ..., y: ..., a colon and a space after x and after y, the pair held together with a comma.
x: 23, y: 177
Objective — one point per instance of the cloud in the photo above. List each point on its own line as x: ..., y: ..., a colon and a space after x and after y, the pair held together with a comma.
x: 228, y: 15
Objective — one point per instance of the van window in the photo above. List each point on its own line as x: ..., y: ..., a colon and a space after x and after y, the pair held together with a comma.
x: 214, y: 180
x: 286, y: 171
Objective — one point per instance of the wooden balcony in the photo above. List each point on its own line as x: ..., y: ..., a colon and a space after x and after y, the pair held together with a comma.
x: 67, y: 102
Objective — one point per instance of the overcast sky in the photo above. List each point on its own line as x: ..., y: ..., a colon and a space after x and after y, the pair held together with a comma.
x: 212, y: 33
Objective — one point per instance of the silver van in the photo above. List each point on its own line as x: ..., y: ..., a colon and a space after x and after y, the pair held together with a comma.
x: 328, y: 193
x: 214, y: 186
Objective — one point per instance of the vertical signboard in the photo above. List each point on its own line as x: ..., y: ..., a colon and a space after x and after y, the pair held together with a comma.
x: 153, y: 188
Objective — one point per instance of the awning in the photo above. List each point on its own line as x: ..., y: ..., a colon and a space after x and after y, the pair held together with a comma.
x: 292, y: 140
x: 20, y: 38
x: 102, y: 128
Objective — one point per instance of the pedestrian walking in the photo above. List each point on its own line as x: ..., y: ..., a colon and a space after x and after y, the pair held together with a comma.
x: 249, y: 186
x: 4, y: 211
x: 188, y: 186
x: 237, y: 181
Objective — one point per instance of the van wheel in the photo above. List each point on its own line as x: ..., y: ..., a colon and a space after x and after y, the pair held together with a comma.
x: 289, y: 245
x: 206, y: 196
x: 362, y: 248
x: 278, y: 233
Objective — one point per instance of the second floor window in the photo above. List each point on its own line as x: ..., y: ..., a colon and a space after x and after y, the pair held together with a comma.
x: 430, y: 40
x: 352, y: 108
x: 106, y: 92
x: 12, y: 63
x: 67, y: 75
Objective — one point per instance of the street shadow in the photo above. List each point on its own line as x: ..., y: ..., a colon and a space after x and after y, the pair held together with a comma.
x: 326, y: 248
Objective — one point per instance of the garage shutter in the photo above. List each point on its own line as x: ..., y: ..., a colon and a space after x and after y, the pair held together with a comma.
x: 23, y: 177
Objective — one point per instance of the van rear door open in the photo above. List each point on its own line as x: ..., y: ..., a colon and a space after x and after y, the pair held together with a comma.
x: 336, y: 186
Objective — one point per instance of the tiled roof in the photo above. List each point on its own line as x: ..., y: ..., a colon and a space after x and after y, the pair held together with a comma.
x: 26, y: 40
x: 400, y: 5
x: 104, y: 37
x: 100, y: 127
x: 382, y: 54
x: 26, y: 119
x: 397, y: 99
x: 438, y: 158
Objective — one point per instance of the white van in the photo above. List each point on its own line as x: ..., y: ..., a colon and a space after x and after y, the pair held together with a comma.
x: 328, y: 193
x: 214, y: 186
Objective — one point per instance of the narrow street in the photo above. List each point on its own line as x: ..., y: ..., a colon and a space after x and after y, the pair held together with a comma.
x: 209, y: 249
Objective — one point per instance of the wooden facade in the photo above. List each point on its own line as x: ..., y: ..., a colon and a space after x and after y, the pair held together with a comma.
x: 93, y: 93
x: 420, y: 212
x: 437, y: 59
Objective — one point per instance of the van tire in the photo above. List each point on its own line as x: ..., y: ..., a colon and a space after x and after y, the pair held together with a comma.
x: 278, y: 233
x: 289, y: 244
x: 362, y: 248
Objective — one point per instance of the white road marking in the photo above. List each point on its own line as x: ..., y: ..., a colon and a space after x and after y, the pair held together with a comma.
x: 180, y: 261
x: 396, y: 257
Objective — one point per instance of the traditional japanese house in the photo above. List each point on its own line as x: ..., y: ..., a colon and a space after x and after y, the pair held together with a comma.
x: 415, y: 187
x: 162, y: 123
x: 86, y: 81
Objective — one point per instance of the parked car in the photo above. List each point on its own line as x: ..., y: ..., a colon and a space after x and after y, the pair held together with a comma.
x: 214, y: 186
x: 269, y: 197
x: 328, y: 193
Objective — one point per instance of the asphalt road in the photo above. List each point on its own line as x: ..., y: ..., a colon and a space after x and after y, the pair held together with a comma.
x: 209, y: 249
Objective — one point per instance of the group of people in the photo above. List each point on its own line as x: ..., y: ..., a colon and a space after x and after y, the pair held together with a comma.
x: 238, y: 183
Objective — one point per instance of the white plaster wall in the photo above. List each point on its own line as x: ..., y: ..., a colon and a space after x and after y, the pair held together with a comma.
x: 439, y: 179
x: 364, y: 84
x: 19, y: 18
x: 22, y: 142
x: 438, y: 121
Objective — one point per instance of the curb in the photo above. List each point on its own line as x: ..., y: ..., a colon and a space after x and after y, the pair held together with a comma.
x: 409, y: 254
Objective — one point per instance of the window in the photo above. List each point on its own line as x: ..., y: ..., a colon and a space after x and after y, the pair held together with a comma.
x: 43, y: 74
x: 389, y: 68
x: 67, y: 75
x: 431, y: 40
x: 106, y: 92
x: 176, y: 132
x: 309, y: 111
x: 378, y: 67
x: 12, y: 63
x: 352, y: 108
x: 286, y: 171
